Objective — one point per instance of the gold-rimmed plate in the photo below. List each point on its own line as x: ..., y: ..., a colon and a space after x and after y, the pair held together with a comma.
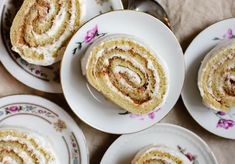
x: 44, y: 117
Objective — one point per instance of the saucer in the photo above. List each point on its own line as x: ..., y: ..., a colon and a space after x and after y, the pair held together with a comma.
x: 42, y: 116
x: 46, y: 79
x: 213, y: 121
x: 124, y: 149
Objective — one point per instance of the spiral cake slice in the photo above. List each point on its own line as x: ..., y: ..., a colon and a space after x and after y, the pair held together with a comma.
x: 216, y: 77
x: 42, y: 28
x: 126, y: 72
x: 160, y: 155
x: 24, y: 147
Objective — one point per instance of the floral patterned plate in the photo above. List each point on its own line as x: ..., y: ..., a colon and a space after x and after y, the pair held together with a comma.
x: 42, y: 78
x: 193, y: 147
x: 40, y: 115
x: 90, y: 105
x: 219, y: 123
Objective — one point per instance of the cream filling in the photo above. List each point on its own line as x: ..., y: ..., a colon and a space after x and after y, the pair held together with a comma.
x: 8, y: 160
x: 133, y: 75
x: 163, y: 149
x: 29, y: 147
x: 215, y: 67
x: 27, y: 159
x: 48, y: 49
x: 132, y: 60
x: 38, y: 139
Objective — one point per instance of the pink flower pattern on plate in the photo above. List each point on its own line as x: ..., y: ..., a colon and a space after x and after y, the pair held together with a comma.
x: 225, y: 120
x: 190, y: 156
x: 226, y: 124
x: 150, y: 116
x: 227, y: 35
x: 91, y: 34
x: 13, y: 109
x: 221, y: 113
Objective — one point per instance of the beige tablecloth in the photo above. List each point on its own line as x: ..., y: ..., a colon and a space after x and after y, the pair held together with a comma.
x: 188, y: 18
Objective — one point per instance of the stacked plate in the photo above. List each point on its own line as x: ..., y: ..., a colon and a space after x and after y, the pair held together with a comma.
x: 121, y: 72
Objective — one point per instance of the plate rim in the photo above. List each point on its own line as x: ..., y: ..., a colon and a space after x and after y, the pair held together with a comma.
x: 180, y: 128
x: 183, y: 71
x: 78, y: 133
x: 182, y: 92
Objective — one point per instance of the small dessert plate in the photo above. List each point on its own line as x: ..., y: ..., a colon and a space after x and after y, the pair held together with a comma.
x: 46, y: 118
x: 219, y: 123
x: 38, y: 77
x: 124, y: 149
x: 90, y: 105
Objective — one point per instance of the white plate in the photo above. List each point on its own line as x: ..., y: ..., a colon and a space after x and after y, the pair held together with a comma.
x: 125, y: 147
x: 90, y: 105
x: 42, y: 78
x: 40, y: 115
x: 218, y: 123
